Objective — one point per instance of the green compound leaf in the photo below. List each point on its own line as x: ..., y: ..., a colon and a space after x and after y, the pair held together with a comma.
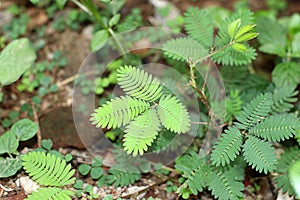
x: 24, y: 129
x: 173, y: 115
x: 194, y: 170
x: 255, y: 111
x: 259, y: 154
x: 51, y: 193
x: 122, y: 178
x: 48, y: 169
x: 141, y: 132
x: 226, y: 183
x: 138, y: 83
x: 198, y: 25
x: 118, y: 112
x: 243, y: 30
x: 233, y: 27
x: 17, y: 57
x: 277, y: 128
x: 283, y: 98
x: 182, y: 49
x: 239, y: 47
x: 228, y: 147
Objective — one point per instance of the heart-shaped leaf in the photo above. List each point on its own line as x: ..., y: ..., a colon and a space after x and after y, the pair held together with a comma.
x: 24, y: 129
x: 14, y: 60
x: 9, y: 166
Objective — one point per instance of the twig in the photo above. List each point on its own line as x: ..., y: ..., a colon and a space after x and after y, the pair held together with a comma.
x: 72, y: 78
x: 201, y: 123
x: 6, y: 189
x: 136, y: 193
x: 36, y: 119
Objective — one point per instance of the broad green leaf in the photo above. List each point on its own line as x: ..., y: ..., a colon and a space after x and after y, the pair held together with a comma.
x: 61, y: 3
x: 272, y: 36
x: 296, y: 45
x: 34, y: 1
x: 17, y: 57
x: 99, y: 40
x: 286, y: 74
x: 243, y: 30
x: 233, y: 27
x: 239, y: 47
x: 273, y: 48
x: 114, y: 20
x: 8, y: 143
x: 24, y: 129
x: 246, y: 37
x: 9, y: 166
x: 294, y: 175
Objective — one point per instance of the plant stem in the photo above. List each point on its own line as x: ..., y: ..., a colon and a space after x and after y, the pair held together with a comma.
x: 89, y: 7
x: 36, y: 119
x: 201, y: 93
x: 213, y: 53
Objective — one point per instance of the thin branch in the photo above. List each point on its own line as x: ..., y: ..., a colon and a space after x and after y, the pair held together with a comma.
x: 36, y: 119
x: 5, y: 189
x: 136, y: 193
x: 201, y: 123
x: 72, y: 78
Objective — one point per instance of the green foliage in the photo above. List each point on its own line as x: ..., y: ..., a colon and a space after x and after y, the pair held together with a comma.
x: 229, y: 47
x: 272, y: 36
x: 17, y: 57
x: 118, y: 112
x: 48, y: 169
x: 182, y: 49
x: 138, y: 83
x: 141, y: 132
x: 9, y: 166
x: 51, y: 193
x: 95, y: 169
x: 286, y: 74
x: 259, y: 154
x: 283, y: 97
x: 227, y: 148
x: 276, y: 128
x: 287, y: 159
x: 255, y: 111
x: 198, y: 25
x: 295, y: 177
x: 225, y: 183
x: 139, y: 111
x: 22, y: 130
x: 122, y: 178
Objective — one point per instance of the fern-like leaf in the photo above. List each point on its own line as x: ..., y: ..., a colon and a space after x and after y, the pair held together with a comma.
x: 230, y: 56
x: 122, y: 178
x: 289, y: 157
x: 226, y: 183
x: 195, y: 170
x: 173, y: 115
x: 283, y: 98
x: 48, y: 169
x: 228, y: 147
x: 277, y: 128
x: 182, y: 49
x: 118, y: 112
x: 50, y: 193
x: 259, y: 154
x: 233, y: 105
x: 141, y: 132
x: 198, y: 25
x: 255, y: 111
x: 139, y: 84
